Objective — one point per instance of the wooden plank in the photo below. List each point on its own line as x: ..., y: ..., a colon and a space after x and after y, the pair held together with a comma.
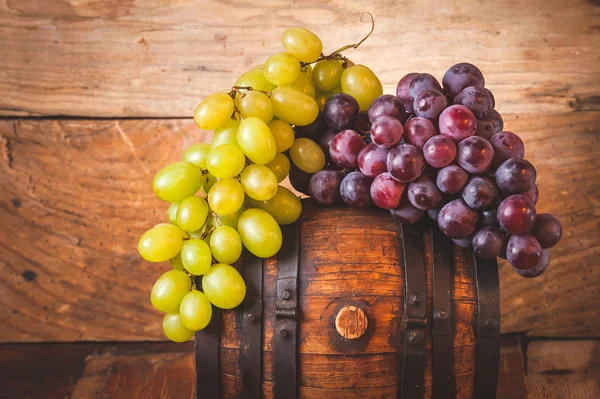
x: 160, y: 57
x: 563, y: 369
x: 51, y: 370
x: 76, y: 195
x: 511, y: 374
x: 564, y: 301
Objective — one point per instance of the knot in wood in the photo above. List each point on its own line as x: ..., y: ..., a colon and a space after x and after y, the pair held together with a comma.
x: 351, y: 322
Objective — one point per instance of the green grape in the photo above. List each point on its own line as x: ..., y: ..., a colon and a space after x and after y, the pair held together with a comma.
x: 230, y: 220
x: 226, y: 197
x: 308, y: 69
x: 327, y: 74
x: 302, y: 44
x: 195, y: 310
x: 196, y: 154
x: 293, y: 106
x: 285, y: 207
x: 304, y: 84
x: 196, y: 256
x: 283, y: 134
x: 362, y: 84
x: 210, y: 181
x: 256, y: 140
x: 226, y: 245
x: 259, y: 182
x: 226, y: 134
x: 225, y: 161
x: 177, y: 181
x: 169, y: 290
x: 260, y: 233
x: 281, y: 69
x: 176, y: 262
x: 280, y: 166
x: 192, y: 213
x: 321, y: 98
x: 161, y: 243
x: 172, y: 212
x: 174, y: 328
x: 213, y: 111
x: 255, y: 103
x: 224, y: 286
x: 255, y: 78
x: 307, y: 155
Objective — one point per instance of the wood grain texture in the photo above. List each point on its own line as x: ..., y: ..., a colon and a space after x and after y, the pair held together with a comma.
x: 511, y: 374
x: 563, y: 369
x: 158, y: 58
x: 77, y: 195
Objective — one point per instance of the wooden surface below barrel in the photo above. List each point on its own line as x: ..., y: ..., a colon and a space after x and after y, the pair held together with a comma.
x: 356, y: 258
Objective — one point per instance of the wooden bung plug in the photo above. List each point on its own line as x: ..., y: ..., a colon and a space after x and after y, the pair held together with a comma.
x: 351, y: 322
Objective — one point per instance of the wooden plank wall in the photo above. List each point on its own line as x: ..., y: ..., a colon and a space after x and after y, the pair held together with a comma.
x: 97, y: 95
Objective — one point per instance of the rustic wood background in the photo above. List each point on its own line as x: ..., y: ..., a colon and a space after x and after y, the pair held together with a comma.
x: 96, y: 97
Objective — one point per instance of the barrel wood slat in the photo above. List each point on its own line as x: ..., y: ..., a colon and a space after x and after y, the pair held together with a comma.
x: 376, y: 363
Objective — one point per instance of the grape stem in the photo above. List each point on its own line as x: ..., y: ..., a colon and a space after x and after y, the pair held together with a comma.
x: 336, y: 54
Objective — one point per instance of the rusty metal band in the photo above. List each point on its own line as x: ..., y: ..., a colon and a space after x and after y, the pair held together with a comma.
x: 252, y: 328
x: 206, y: 348
x: 444, y: 382
x: 412, y: 368
x: 286, y: 315
x: 487, y: 353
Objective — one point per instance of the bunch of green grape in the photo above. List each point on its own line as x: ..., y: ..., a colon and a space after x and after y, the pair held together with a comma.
x: 226, y: 195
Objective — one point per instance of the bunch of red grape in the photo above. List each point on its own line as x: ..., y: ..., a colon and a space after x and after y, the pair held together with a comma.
x: 435, y: 149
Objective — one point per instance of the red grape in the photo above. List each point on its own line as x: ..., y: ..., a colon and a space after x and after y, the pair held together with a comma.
x: 341, y: 111
x: 476, y: 99
x: 386, y: 191
x: 539, y: 268
x: 461, y: 76
x: 386, y: 131
x: 495, y: 119
x: 418, y: 130
x: 344, y: 148
x: 402, y: 92
x: 406, y: 212
x: 355, y: 189
x: 429, y: 104
x: 439, y: 151
x: 515, y: 176
x: 491, y: 96
x: 325, y: 142
x: 523, y: 251
x: 421, y: 82
x: 313, y: 131
x: 485, y: 129
x: 532, y: 194
x: 372, y: 160
x: 547, y: 230
x: 475, y: 154
x: 489, y: 242
x: 451, y: 179
x: 480, y: 193
x: 488, y: 218
x: 424, y: 194
x: 324, y: 186
x: 457, y: 220
x: 516, y: 214
x: 506, y: 145
x: 387, y: 105
x: 464, y: 242
x: 299, y: 179
x: 405, y: 162
x: 457, y: 122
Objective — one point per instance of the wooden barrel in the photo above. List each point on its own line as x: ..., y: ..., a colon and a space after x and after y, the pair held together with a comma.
x: 356, y: 305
